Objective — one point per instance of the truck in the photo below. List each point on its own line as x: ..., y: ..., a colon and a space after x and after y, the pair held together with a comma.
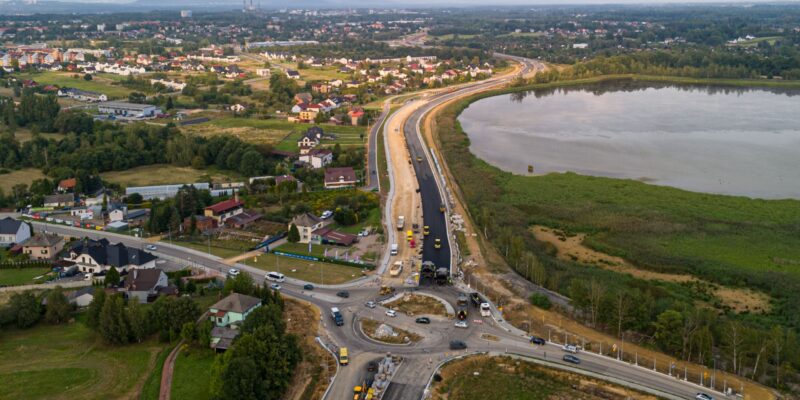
x: 475, y: 298
x: 462, y: 299
x: 401, y: 223
x: 396, y: 269
x: 343, y: 359
x: 338, y: 319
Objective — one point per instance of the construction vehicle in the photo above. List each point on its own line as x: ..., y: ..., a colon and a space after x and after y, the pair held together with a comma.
x: 396, y: 268
x: 386, y: 290
x: 426, y: 230
x: 410, y: 235
x: 437, y: 244
x: 401, y: 223
x: 462, y: 299
x: 442, y: 208
x: 427, y: 270
x: 343, y: 359
x: 358, y: 392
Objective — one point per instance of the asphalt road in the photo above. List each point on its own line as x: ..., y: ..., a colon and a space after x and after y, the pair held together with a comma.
x: 373, y: 180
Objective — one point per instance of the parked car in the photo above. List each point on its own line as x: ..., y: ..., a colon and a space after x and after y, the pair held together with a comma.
x: 363, y: 233
x: 572, y: 359
x: 370, y: 304
x: 233, y: 272
x: 423, y: 320
x: 703, y: 396
x: 151, y: 247
x: 343, y: 294
x: 538, y: 340
x: 327, y: 214
x: 391, y: 313
x: 308, y: 286
x: 461, y: 324
x: 275, y: 286
x: 457, y: 345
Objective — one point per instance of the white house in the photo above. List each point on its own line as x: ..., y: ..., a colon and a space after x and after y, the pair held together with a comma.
x: 144, y: 284
x: 306, y: 223
x: 317, y: 158
x: 93, y: 256
x: 13, y: 232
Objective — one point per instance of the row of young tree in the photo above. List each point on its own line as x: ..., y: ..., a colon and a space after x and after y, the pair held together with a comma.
x: 26, y: 309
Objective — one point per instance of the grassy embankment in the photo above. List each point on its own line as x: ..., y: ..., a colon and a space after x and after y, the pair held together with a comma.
x: 482, y: 377
x: 22, y: 276
x: 733, y: 241
x: 70, y: 362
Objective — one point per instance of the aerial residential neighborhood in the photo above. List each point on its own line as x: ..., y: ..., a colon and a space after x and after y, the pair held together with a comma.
x: 350, y: 200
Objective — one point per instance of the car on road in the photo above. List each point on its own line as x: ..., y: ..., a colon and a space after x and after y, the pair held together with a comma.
x: 461, y: 324
x: 151, y: 247
x: 370, y: 304
x: 423, y: 320
x: 308, y: 286
x: 426, y: 230
x: 457, y: 345
x: 326, y: 214
x: 275, y: 286
x: 572, y: 359
x: 437, y: 244
x: 343, y: 294
x: 538, y: 340
x: 703, y: 396
x: 233, y: 272
x: 391, y: 313
x: 419, y: 159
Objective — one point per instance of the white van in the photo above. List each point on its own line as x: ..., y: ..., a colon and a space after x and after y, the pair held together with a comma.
x: 393, y: 249
x: 275, y: 276
x: 569, y: 348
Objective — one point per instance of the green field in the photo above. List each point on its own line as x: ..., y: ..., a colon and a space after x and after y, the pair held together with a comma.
x: 311, y: 271
x: 192, y: 374
x: 69, y: 362
x: 316, y: 249
x: 22, y: 276
x: 101, y: 83
x: 164, y: 174
x: 733, y: 241
x: 26, y: 176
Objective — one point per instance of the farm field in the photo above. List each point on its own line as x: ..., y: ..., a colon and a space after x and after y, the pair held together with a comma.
x: 75, y: 366
x: 163, y: 174
x: 26, y: 176
x: 101, y: 83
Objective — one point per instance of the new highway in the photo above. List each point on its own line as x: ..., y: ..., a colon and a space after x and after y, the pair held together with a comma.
x: 421, y: 359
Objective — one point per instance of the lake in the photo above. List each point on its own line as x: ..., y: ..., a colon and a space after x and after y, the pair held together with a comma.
x: 736, y: 141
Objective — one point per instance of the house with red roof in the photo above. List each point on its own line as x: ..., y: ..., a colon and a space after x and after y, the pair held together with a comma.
x: 224, y: 210
x: 67, y: 185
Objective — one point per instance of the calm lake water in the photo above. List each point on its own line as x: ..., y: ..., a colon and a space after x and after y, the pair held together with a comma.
x: 705, y: 139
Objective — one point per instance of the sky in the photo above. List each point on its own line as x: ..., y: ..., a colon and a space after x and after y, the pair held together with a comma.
x: 422, y: 3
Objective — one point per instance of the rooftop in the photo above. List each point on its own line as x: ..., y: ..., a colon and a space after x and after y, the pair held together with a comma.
x: 236, y: 302
x: 223, y: 206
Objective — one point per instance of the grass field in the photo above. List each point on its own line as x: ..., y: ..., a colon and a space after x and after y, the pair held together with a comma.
x: 163, y: 174
x: 192, y: 374
x: 311, y: 271
x: 69, y: 362
x: 482, y: 377
x: 26, y: 176
x: 101, y: 83
x: 152, y: 386
x: 22, y: 276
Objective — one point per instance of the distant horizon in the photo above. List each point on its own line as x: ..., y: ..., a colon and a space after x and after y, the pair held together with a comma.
x: 417, y: 3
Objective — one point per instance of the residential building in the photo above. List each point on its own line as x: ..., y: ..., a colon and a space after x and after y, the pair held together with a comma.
x: 82, y: 95
x: 43, y: 246
x: 355, y: 115
x: 82, y: 297
x: 224, y: 210
x: 292, y: 74
x: 13, y: 232
x: 317, y: 158
x: 127, y: 110
x: 327, y: 235
x: 306, y: 224
x: 145, y: 284
x: 59, y: 200
x: 342, y: 177
x: 201, y: 223
x: 94, y: 256
x: 67, y: 185
x: 233, y: 309
x: 222, y: 337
